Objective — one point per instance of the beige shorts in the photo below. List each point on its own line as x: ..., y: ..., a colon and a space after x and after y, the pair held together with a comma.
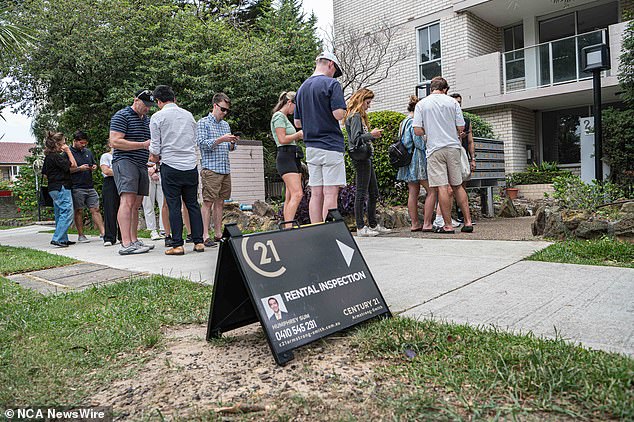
x: 215, y: 185
x: 325, y: 168
x: 444, y: 168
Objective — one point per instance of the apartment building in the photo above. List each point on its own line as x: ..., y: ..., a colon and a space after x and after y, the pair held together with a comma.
x: 516, y: 63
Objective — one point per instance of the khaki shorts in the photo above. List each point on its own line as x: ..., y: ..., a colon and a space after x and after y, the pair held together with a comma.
x: 444, y: 168
x: 215, y: 185
x: 325, y: 168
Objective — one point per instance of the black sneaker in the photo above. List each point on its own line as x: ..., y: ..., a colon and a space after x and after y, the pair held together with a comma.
x: 169, y: 242
x: 189, y: 239
x: 69, y: 242
x: 59, y: 244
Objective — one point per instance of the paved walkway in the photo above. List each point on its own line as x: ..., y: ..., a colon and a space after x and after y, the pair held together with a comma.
x: 479, y: 282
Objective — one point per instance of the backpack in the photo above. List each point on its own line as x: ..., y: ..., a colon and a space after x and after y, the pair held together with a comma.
x: 397, y: 152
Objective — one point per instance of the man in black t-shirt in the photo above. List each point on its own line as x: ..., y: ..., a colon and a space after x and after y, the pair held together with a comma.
x: 84, y: 193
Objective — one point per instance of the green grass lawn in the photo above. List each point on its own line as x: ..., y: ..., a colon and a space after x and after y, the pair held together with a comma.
x: 18, y: 260
x: 59, y: 349
x: 605, y: 251
x: 458, y: 372
x: 53, y: 349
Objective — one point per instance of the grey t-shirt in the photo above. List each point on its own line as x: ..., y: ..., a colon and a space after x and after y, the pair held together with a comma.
x: 439, y: 115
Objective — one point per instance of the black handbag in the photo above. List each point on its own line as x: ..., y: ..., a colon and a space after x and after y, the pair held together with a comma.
x: 360, y: 152
x: 397, y: 152
x: 44, y: 198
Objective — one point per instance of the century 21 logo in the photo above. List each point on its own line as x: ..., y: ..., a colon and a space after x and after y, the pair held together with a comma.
x: 268, y: 254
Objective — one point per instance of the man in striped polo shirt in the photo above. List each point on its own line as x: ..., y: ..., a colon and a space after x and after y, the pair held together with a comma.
x: 130, y: 138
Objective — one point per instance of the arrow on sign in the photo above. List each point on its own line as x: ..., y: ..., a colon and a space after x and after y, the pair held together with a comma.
x: 346, y: 251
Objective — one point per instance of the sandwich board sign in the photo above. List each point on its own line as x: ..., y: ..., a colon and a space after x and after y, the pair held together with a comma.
x: 301, y: 284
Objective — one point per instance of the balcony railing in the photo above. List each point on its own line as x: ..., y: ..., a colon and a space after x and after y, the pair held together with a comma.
x: 548, y: 64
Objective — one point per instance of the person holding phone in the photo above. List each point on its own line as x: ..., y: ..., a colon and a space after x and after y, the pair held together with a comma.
x: 58, y: 163
x: 360, y: 139
x: 215, y: 142
x: 288, y: 162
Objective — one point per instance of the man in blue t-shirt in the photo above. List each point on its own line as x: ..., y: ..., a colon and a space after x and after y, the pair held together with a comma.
x: 130, y: 138
x: 84, y: 193
x: 319, y: 106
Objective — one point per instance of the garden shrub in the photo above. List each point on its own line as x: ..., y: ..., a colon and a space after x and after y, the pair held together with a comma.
x: 536, y: 174
x: 391, y: 191
x: 480, y: 127
x: 572, y: 193
x: 618, y: 146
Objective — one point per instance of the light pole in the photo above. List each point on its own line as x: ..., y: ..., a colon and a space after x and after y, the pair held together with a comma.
x: 595, y: 59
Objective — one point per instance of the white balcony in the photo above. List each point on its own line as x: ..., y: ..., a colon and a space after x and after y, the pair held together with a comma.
x: 542, y: 76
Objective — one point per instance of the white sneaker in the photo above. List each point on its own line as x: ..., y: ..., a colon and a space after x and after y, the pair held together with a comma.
x: 380, y: 229
x: 154, y: 235
x: 140, y: 244
x: 133, y: 249
x: 439, y: 222
x: 454, y: 223
x: 366, y: 232
x: 107, y: 243
x: 83, y: 239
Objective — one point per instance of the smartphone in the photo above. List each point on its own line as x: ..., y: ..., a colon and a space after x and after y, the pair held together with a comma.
x: 238, y: 134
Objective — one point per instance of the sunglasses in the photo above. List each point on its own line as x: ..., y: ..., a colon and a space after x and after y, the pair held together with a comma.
x: 223, y: 109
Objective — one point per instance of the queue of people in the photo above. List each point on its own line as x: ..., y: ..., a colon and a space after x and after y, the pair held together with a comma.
x: 156, y: 160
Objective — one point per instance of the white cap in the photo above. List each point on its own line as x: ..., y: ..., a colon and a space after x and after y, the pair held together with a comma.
x: 330, y: 56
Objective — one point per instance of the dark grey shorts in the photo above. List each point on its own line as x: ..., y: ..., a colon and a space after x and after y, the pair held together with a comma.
x: 85, y: 198
x: 131, y: 178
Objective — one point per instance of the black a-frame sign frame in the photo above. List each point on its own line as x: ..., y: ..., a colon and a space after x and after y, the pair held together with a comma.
x: 301, y: 284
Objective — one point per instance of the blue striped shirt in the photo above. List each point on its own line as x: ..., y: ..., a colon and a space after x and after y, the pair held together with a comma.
x: 215, y: 157
x: 134, y: 129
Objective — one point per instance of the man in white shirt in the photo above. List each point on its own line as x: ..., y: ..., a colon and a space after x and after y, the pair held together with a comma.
x: 173, y: 143
x: 440, y: 118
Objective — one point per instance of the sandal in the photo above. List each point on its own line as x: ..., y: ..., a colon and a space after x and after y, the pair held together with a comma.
x: 443, y: 231
x: 467, y: 229
x: 420, y: 229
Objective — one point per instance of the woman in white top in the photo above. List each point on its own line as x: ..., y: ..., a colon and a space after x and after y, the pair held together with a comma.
x: 288, y: 153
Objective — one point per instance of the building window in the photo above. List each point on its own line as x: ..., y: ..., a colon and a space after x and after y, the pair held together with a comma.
x: 513, y: 45
x: 429, y: 55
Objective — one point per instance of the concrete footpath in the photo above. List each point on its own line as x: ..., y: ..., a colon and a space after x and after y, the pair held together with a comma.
x: 478, y: 282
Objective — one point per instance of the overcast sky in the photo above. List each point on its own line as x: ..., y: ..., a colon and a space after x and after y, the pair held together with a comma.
x: 17, y: 126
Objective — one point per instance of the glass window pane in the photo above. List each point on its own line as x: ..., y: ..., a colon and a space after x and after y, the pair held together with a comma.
x: 556, y: 28
x: 584, y: 41
x: 544, y: 65
x: 434, y: 41
x: 423, y: 44
x: 564, y: 60
x: 430, y: 70
x: 568, y: 139
x: 508, y: 39
x: 515, y: 69
x: 598, y: 17
x: 518, y: 34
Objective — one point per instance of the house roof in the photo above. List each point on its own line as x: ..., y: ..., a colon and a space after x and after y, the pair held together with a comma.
x: 14, y: 152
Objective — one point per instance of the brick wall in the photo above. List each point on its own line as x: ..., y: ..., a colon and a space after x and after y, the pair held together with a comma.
x: 8, y: 209
x: 516, y: 126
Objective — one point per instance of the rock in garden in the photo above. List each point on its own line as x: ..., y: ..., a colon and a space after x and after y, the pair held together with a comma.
x: 263, y: 209
x: 591, y: 229
x: 508, y: 209
x: 628, y: 208
x: 572, y: 218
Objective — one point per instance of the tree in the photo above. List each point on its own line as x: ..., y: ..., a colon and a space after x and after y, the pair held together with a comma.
x: 367, y: 57
x: 626, y: 66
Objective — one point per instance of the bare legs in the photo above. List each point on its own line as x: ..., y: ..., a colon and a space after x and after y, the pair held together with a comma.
x: 128, y: 217
x: 322, y: 199
x: 294, y: 194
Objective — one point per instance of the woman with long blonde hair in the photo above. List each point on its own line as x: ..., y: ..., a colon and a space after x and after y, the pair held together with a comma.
x: 289, y: 154
x: 360, y: 149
